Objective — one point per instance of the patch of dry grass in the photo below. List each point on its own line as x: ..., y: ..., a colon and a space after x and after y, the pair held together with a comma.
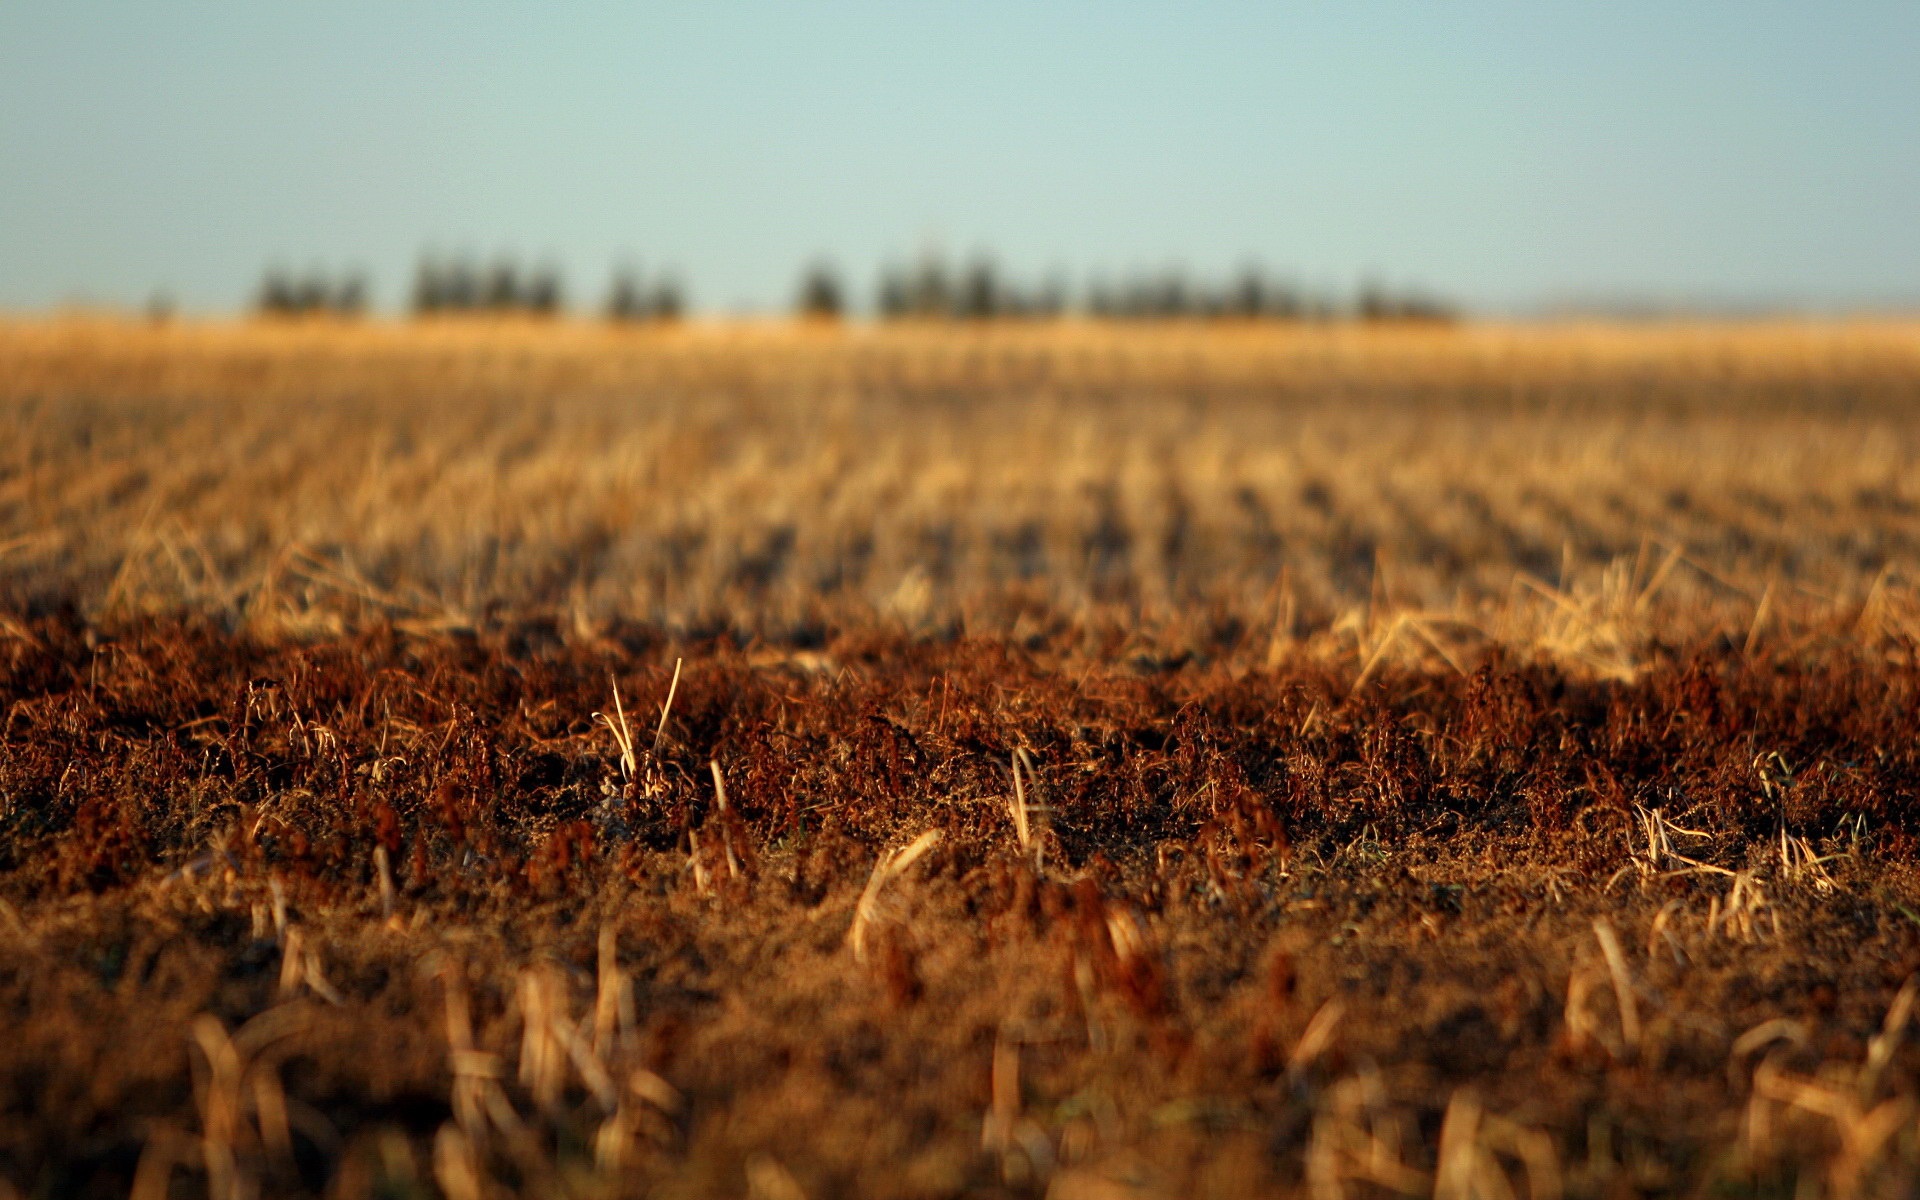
x: 1383, y: 494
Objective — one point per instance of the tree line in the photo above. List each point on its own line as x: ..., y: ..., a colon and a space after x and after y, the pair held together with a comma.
x: 926, y: 289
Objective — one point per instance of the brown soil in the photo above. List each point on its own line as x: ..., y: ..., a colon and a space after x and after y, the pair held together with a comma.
x: 1269, y: 934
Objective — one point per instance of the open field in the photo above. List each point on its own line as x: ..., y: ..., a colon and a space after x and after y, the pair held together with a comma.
x: 1104, y: 762
x: 768, y: 481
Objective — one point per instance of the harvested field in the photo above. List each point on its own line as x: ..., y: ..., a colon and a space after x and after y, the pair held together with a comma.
x: 476, y: 760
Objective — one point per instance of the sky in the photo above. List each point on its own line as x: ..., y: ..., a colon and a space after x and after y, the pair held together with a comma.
x: 1515, y: 157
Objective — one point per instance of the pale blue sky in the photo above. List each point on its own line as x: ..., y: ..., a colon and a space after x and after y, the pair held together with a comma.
x: 1508, y: 155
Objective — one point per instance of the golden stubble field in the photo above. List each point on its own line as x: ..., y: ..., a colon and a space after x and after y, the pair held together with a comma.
x: 773, y: 479
x: 481, y: 759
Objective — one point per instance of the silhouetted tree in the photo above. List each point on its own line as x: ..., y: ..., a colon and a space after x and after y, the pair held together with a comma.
x: 542, y: 295
x: 668, y: 301
x: 625, y: 300
x: 632, y: 299
x: 282, y: 294
x: 461, y: 287
x: 1249, y: 295
x: 980, y: 294
x: 1377, y: 303
x: 820, y: 297
x: 1049, y: 301
x: 893, y: 296
x: 930, y: 292
x: 275, y: 297
x: 501, y: 291
x: 350, y: 296
x: 429, y: 287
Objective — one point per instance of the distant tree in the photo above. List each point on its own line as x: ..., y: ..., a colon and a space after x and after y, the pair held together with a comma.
x: 980, y: 294
x: 1373, y: 303
x: 625, y: 300
x: 501, y: 292
x: 463, y: 287
x: 894, y: 297
x: 929, y: 291
x: 429, y: 287
x: 458, y: 286
x: 820, y: 297
x: 1049, y: 300
x: 1283, y: 302
x: 1156, y: 297
x: 542, y: 294
x: 1102, y: 301
x: 1248, y: 296
x: 668, y: 301
x: 1429, y: 308
x: 311, y: 294
x: 275, y: 297
x: 1209, y: 302
x: 350, y: 296
x: 632, y: 298
x: 282, y: 294
x: 446, y: 287
x: 1378, y: 303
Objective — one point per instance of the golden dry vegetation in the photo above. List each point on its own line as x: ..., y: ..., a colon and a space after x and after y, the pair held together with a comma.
x: 478, y: 759
x: 1291, y: 480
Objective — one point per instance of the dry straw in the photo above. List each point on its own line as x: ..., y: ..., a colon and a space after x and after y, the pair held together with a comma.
x: 1028, y: 819
x: 891, y: 866
x: 622, y: 734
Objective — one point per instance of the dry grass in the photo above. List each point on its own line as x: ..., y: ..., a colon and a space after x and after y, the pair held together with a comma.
x: 1391, y: 947
x: 1160, y: 761
x: 1385, y: 494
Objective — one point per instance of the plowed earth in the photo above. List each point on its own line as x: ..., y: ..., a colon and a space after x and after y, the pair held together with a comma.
x: 382, y: 915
